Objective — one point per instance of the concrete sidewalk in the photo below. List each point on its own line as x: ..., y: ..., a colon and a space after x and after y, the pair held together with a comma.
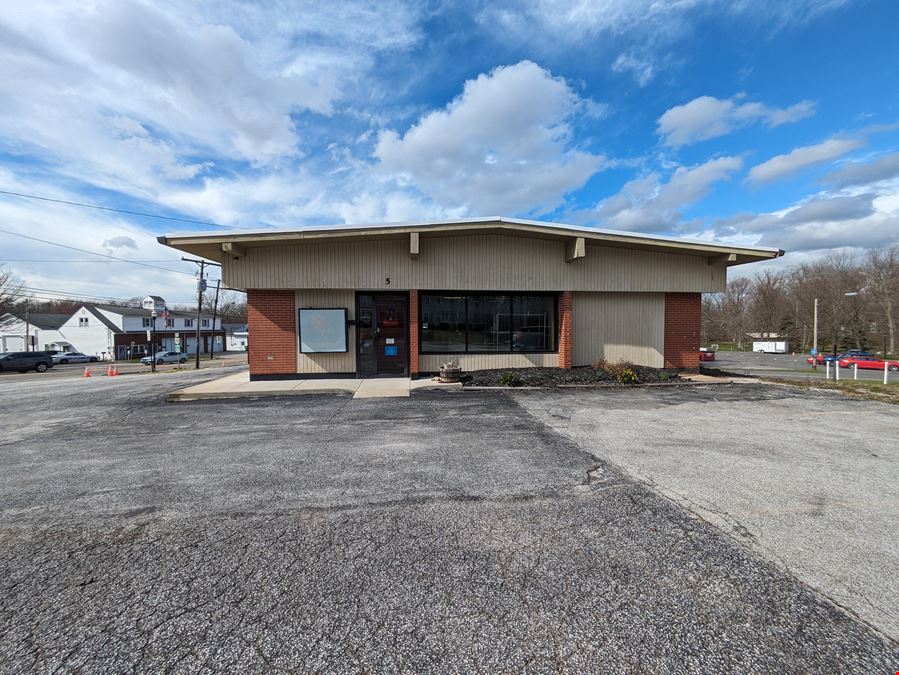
x: 238, y: 385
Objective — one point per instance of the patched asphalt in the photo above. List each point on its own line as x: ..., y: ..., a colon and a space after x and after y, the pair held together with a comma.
x: 447, y: 532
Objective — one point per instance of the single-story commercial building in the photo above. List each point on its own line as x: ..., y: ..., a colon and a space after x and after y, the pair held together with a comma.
x: 400, y: 300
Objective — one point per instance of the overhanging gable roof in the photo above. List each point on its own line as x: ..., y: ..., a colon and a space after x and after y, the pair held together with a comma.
x: 43, y: 321
x: 209, y: 244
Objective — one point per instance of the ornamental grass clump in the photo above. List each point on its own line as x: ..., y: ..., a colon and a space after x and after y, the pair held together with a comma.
x: 509, y: 379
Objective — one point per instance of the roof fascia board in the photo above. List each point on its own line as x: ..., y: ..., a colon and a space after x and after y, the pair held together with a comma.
x: 528, y: 226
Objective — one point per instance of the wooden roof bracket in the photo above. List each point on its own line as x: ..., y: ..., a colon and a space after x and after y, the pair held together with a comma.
x: 723, y: 259
x: 233, y: 249
x: 575, y: 248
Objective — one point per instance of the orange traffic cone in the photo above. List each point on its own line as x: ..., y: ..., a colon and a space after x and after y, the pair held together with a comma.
x: 87, y: 372
x: 115, y: 370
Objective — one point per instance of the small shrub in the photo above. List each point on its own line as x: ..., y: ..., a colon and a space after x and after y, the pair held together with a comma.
x: 663, y: 376
x: 509, y: 379
x: 627, y: 376
x: 601, y: 364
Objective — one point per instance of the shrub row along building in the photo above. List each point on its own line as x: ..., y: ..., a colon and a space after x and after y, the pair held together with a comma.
x: 400, y: 300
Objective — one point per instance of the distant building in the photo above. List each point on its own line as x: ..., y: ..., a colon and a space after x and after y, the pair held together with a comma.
x: 41, y: 332
x: 236, y: 336
x: 115, y: 332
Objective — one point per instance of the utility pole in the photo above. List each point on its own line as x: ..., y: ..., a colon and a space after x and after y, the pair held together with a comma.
x: 152, y: 351
x: 215, y: 309
x: 201, y: 286
x: 815, y: 339
x: 27, y: 329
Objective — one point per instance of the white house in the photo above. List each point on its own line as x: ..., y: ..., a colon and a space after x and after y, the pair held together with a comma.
x: 40, y: 332
x: 237, y: 336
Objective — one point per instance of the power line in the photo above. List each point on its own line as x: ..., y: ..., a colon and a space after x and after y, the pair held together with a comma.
x: 114, y: 210
x: 102, y: 255
x: 48, y: 294
x: 57, y: 260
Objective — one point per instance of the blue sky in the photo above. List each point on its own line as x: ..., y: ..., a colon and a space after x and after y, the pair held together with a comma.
x: 770, y: 123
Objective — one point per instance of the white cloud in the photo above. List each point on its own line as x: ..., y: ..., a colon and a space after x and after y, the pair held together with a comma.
x: 800, y: 158
x: 91, y: 231
x: 502, y: 146
x: 548, y: 24
x: 856, y: 218
x: 861, y: 173
x: 707, y: 117
x: 120, y: 241
x: 641, y: 68
x: 648, y: 204
x: 136, y: 97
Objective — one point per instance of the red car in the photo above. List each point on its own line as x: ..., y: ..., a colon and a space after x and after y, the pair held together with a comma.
x: 869, y: 363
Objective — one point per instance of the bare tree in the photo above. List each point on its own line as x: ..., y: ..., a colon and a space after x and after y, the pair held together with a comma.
x: 768, y: 307
x: 882, y: 277
x: 10, y: 289
x: 857, y: 303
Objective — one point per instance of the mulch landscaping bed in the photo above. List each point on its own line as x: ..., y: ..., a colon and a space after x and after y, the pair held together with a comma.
x: 556, y: 377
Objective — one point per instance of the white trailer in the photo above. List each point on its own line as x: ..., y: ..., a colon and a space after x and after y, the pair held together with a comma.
x: 770, y: 347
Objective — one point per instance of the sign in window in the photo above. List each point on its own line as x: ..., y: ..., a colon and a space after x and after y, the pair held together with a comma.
x: 323, y: 330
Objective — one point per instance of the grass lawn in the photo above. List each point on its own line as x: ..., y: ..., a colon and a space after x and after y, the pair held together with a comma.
x: 874, y: 391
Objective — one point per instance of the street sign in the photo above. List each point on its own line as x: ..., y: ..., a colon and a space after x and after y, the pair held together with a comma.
x: 814, y: 352
x: 148, y: 335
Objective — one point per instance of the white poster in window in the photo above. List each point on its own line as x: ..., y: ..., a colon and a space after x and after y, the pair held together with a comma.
x: 323, y: 330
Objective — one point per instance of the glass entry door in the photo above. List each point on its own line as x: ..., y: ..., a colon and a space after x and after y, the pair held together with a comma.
x: 382, y: 335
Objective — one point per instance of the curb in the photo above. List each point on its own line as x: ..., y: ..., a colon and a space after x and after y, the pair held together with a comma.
x: 681, y: 383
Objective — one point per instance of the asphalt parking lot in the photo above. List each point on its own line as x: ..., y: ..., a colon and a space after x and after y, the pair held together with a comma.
x: 444, y: 532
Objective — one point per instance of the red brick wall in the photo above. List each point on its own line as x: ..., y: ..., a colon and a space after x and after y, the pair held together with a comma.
x: 683, y: 316
x: 271, y: 316
x: 565, y: 349
x: 413, y: 333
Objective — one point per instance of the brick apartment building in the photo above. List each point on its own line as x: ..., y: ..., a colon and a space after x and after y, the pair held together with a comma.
x: 400, y: 300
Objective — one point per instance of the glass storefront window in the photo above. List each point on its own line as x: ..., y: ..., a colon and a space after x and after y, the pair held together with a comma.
x: 533, y: 323
x: 459, y: 323
x: 488, y: 323
x: 442, y: 323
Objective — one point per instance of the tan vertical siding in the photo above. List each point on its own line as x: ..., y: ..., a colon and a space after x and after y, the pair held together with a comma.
x: 619, y: 327
x: 430, y: 363
x: 328, y: 363
x: 472, y: 262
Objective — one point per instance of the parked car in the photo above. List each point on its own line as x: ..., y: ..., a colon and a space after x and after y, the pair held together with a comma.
x: 866, y: 362
x: 74, y: 357
x: 822, y: 358
x: 165, y: 357
x: 25, y: 361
